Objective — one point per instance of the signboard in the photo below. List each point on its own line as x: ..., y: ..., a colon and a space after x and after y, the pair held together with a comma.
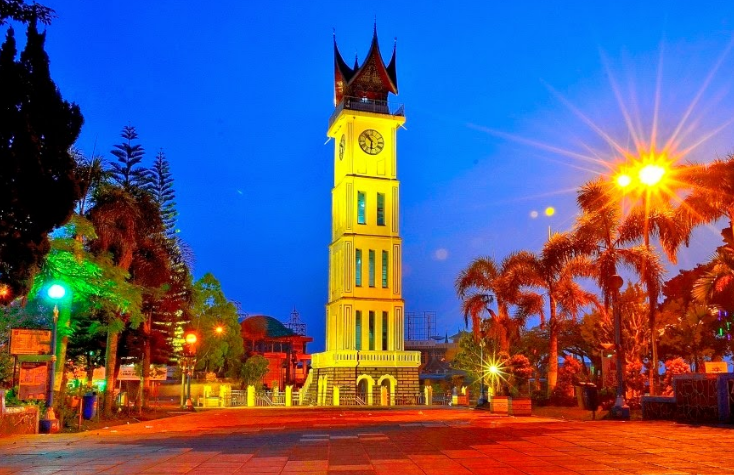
x: 33, y: 380
x: 715, y: 367
x: 130, y: 373
x: 24, y: 341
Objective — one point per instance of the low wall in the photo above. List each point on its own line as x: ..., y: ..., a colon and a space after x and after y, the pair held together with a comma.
x: 696, y: 398
x: 17, y: 420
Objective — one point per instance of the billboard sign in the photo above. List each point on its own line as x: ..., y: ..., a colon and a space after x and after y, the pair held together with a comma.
x: 26, y: 341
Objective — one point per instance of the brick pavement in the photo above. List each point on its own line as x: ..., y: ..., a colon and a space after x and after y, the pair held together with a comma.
x: 374, y: 441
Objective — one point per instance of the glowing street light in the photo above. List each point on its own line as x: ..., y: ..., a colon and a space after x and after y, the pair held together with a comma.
x: 219, y: 329
x: 646, y: 176
x: 188, y: 361
x: 623, y: 180
x: 651, y: 174
x: 55, y: 292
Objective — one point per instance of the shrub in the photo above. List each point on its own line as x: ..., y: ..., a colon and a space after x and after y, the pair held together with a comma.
x: 563, y: 394
x: 673, y: 367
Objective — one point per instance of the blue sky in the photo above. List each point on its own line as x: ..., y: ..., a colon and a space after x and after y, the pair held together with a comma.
x: 501, y: 101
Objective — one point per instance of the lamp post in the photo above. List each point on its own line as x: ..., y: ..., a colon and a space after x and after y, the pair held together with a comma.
x: 649, y: 175
x: 482, y: 399
x: 189, y: 361
x: 620, y: 410
x: 49, y: 423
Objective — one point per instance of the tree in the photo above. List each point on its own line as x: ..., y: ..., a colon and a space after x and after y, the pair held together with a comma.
x: 603, y: 234
x: 654, y: 217
x: 550, y: 279
x: 92, y: 282
x: 116, y: 217
x: 18, y: 10
x: 37, y: 129
x: 160, y: 186
x: 480, y: 285
x: 253, y: 370
x: 127, y: 171
x: 219, y: 351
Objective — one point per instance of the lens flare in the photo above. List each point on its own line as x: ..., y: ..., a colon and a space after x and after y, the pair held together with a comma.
x: 624, y: 180
x: 550, y: 211
x: 651, y: 174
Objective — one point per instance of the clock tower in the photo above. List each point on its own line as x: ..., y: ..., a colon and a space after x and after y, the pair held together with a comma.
x: 365, y: 354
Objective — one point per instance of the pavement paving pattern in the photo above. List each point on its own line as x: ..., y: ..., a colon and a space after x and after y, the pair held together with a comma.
x: 374, y: 441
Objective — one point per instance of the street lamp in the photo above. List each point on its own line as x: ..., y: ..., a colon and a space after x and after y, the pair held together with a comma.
x: 482, y: 398
x: 49, y: 423
x: 648, y: 175
x: 188, y: 363
x: 620, y: 410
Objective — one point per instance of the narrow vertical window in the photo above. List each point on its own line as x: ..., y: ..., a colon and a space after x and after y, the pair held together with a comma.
x: 361, y: 208
x: 358, y: 268
x: 384, y: 269
x: 380, y: 209
x: 372, y: 268
x: 384, y: 331
x: 358, y: 330
x: 371, y: 324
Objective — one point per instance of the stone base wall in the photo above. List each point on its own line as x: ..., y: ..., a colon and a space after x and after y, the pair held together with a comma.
x: 407, y: 385
x: 19, y: 420
x: 697, y: 398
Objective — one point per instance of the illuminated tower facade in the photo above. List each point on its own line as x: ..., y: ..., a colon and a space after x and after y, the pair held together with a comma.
x: 365, y: 314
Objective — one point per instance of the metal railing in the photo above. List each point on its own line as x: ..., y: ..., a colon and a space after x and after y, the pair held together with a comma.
x: 367, y: 105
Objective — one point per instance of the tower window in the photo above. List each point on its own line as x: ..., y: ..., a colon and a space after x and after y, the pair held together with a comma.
x: 358, y: 267
x: 384, y: 269
x: 372, y: 329
x: 358, y: 330
x: 361, y: 208
x: 372, y: 268
x: 384, y: 331
x: 380, y: 209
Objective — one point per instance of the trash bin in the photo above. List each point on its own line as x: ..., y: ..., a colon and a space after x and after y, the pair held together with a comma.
x: 587, y: 395
x: 89, y: 405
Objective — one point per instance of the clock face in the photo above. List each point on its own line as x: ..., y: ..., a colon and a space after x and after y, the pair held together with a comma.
x: 371, y: 141
x: 342, y: 144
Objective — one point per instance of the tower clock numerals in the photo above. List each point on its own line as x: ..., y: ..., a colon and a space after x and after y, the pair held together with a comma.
x: 371, y: 142
x: 342, y: 145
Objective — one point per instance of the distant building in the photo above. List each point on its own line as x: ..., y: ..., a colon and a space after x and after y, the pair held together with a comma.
x: 437, y: 355
x: 284, y: 349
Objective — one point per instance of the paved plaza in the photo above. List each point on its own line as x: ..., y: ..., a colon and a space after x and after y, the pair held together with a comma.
x: 373, y: 441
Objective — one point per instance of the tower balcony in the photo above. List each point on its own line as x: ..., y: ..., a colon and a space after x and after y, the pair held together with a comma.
x: 364, y: 104
x: 355, y: 358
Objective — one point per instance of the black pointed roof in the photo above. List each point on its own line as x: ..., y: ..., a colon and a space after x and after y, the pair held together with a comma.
x: 372, y: 80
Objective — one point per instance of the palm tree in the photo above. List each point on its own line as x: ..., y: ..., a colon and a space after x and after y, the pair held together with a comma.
x: 482, y: 284
x: 115, y: 216
x: 549, y: 279
x: 654, y: 216
x: 711, y: 195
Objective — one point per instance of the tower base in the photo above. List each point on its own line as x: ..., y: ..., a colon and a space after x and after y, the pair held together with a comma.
x: 365, y: 386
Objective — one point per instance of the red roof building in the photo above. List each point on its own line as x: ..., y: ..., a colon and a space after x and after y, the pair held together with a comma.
x: 284, y: 349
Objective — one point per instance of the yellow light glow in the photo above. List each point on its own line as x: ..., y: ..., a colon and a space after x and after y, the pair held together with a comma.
x: 550, y: 211
x: 4, y: 291
x: 624, y: 180
x: 494, y: 369
x: 651, y: 174
x: 190, y: 338
x: 219, y: 329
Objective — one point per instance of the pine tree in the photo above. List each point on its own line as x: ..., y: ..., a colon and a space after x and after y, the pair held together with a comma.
x: 38, y: 183
x: 18, y: 10
x: 127, y: 171
x: 161, y: 187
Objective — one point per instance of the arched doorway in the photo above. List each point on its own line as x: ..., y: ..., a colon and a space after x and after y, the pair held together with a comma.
x: 387, y: 384
x: 365, y: 386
